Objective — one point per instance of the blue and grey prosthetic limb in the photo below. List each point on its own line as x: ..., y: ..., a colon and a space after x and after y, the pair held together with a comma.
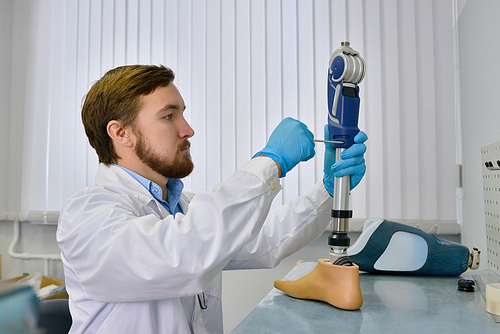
x: 346, y: 71
x: 336, y: 280
x: 393, y: 248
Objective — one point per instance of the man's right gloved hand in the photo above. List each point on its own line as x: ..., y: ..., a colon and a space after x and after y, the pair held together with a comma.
x: 352, y: 161
x: 290, y: 143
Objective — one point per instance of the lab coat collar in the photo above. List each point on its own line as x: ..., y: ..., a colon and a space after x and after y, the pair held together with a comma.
x: 114, y: 177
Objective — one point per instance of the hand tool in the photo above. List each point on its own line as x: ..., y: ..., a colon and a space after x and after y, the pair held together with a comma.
x: 328, y: 141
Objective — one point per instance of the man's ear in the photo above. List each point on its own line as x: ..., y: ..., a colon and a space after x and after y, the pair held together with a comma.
x: 119, y: 134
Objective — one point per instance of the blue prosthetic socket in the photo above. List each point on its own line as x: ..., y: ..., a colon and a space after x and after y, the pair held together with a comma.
x: 393, y: 248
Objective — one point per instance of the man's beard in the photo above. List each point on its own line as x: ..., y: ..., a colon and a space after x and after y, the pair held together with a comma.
x: 177, y: 168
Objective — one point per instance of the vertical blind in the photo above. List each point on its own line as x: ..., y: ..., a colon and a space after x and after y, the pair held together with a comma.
x: 241, y: 66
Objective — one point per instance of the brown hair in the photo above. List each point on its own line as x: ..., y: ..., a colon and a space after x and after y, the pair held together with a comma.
x: 116, y: 97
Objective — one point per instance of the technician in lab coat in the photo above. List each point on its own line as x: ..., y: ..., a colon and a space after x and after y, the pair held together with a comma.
x: 142, y: 256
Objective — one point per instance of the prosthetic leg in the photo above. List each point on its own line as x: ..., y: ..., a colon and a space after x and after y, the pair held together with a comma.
x: 336, y: 281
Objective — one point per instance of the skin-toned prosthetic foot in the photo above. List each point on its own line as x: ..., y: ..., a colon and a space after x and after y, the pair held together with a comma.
x: 336, y: 285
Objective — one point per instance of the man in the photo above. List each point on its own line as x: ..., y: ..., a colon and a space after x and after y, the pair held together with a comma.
x: 140, y: 255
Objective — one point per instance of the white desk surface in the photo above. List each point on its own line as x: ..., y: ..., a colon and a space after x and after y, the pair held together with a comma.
x: 392, y: 304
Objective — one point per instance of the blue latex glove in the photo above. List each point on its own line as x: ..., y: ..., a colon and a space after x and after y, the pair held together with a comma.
x: 352, y: 161
x: 290, y: 143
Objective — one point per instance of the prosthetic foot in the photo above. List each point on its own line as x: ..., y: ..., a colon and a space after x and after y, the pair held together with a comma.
x: 390, y: 247
x: 335, y: 285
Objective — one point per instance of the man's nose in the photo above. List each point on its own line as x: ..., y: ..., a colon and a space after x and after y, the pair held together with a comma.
x: 186, y: 131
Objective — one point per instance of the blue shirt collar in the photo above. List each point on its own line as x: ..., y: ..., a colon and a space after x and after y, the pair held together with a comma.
x: 174, y: 190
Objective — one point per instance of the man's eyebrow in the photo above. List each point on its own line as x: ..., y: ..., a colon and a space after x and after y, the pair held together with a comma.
x: 169, y: 107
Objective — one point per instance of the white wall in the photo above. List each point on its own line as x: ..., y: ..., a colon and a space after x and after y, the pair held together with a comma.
x: 34, y: 239
x: 479, y: 46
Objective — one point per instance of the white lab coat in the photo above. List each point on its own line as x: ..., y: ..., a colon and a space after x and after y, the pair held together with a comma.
x: 131, y: 267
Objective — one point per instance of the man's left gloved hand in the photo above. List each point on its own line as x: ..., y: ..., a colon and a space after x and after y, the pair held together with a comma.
x: 352, y: 161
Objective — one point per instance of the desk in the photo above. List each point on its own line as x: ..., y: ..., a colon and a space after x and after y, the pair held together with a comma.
x: 392, y: 304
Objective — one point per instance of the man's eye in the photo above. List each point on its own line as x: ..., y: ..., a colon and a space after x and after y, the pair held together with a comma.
x: 169, y: 117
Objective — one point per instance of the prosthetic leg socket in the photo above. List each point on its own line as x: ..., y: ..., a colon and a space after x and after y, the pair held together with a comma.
x: 387, y: 247
x: 335, y: 285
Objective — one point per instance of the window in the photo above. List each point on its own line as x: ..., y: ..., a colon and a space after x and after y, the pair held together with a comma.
x: 242, y: 66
